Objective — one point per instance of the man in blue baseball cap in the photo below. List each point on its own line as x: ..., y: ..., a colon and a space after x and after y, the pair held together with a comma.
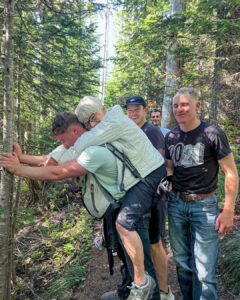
x: 137, y: 111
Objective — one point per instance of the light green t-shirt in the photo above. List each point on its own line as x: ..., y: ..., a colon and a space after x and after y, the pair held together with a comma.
x: 101, y: 162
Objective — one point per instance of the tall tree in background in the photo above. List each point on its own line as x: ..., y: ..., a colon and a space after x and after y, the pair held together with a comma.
x: 196, y: 45
x: 225, y: 84
x: 6, y: 189
x: 56, y: 63
x: 172, y: 70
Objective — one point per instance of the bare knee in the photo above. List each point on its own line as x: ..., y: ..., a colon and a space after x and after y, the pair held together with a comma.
x: 120, y: 229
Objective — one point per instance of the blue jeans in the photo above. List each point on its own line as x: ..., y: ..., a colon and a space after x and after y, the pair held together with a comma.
x: 195, y: 244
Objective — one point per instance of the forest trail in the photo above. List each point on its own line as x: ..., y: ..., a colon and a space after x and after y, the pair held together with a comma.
x: 99, y: 281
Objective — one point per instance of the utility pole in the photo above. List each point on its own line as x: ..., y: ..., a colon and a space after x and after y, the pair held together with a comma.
x: 105, y: 52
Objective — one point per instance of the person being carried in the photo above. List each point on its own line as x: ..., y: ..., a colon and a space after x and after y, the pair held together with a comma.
x: 194, y: 150
x: 110, y: 128
x: 137, y: 111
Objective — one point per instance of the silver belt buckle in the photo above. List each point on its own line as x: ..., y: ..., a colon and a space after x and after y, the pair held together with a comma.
x: 193, y: 196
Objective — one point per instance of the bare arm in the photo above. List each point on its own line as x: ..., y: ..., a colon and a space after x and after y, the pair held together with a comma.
x: 224, y: 221
x: 29, y: 159
x: 66, y: 170
x: 169, y: 167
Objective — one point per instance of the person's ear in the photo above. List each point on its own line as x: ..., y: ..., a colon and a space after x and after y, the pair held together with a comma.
x: 198, y: 105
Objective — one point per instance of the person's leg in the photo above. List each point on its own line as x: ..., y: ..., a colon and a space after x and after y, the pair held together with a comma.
x: 156, y: 233
x: 160, y: 260
x: 133, y: 245
x: 180, y: 240
x: 206, y: 245
x: 136, y: 204
x: 142, y: 230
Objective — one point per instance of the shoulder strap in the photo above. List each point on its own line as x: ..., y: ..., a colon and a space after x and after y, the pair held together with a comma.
x: 126, y: 162
x: 103, y: 190
x: 124, y: 159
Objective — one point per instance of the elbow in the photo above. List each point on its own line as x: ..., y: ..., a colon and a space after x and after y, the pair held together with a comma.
x: 53, y: 176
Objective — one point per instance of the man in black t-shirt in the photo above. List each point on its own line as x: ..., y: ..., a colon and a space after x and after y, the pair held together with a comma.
x: 137, y: 111
x: 194, y: 150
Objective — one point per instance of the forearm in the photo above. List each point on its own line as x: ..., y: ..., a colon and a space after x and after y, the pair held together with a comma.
x: 33, y: 159
x: 169, y: 167
x: 229, y: 168
x: 72, y: 169
x: 231, y: 191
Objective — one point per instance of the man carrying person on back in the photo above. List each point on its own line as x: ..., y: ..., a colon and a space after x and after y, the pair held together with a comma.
x: 194, y: 151
x: 138, y: 199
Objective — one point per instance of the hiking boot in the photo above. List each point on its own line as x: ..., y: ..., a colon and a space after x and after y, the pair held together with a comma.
x: 142, y: 293
x: 168, y: 296
x: 112, y: 295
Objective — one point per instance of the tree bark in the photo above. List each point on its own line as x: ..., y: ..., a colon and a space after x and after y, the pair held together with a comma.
x: 172, y: 72
x: 6, y: 187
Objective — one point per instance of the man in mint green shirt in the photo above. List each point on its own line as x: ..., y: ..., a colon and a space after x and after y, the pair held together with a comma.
x: 90, y: 161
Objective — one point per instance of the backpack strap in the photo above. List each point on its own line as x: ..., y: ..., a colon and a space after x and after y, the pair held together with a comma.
x: 104, y: 191
x: 124, y: 159
x: 126, y: 162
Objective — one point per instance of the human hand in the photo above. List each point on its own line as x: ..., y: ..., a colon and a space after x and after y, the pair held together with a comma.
x: 9, y: 161
x: 224, y: 222
x: 166, y: 184
x: 18, y: 150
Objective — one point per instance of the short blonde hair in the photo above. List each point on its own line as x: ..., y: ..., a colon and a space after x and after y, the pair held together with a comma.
x: 191, y: 93
x: 87, y: 106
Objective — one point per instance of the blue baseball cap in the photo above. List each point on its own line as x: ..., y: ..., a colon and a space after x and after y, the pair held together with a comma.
x: 135, y: 100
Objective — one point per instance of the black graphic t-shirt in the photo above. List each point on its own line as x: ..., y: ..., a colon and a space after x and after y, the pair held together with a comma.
x: 195, y: 156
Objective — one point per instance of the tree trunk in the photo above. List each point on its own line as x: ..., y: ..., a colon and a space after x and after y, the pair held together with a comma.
x: 221, y: 45
x: 6, y: 188
x: 172, y: 72
x: 216, y: 86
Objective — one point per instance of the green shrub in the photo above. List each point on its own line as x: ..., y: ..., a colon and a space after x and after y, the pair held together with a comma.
x: 230, y: 262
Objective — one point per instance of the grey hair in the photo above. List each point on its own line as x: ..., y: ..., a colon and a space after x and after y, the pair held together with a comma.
x: 87, y: 106
x: 191, y: 93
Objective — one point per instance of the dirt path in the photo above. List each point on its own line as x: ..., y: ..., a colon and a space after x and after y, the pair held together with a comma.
x: 99, y: 281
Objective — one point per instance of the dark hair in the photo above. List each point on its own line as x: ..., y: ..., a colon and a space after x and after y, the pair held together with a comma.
x: 155, y: 110
x: 62, y: 121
